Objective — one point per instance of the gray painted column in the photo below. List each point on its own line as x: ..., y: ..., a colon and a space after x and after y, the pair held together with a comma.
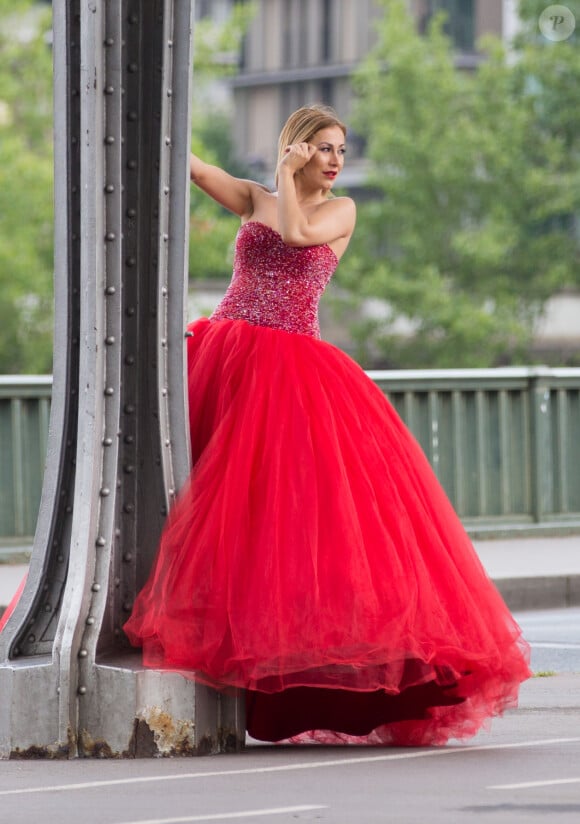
x: 118, y: 442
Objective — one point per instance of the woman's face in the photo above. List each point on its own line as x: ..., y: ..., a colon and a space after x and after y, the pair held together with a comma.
x: 327, y: 162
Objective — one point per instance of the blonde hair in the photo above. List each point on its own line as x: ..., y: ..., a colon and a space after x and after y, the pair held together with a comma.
x: 303, y: 124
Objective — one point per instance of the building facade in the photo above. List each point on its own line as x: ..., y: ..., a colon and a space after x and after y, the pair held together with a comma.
x: 302, y: 51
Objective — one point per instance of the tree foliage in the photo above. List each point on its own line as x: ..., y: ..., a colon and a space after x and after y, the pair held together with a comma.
x: 26, y: 174
x: 25, y: 188
x: 212, y: 228
x: 478, y: 184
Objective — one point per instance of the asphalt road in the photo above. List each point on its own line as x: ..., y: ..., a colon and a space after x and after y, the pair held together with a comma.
x: 525, y: 769
x: 554, y: 636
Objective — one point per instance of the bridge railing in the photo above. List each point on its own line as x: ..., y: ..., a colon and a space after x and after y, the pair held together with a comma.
x: 24, y: 417
x: 505, y: 443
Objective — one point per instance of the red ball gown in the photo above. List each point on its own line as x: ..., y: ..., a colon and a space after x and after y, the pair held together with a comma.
x: 312, y: 558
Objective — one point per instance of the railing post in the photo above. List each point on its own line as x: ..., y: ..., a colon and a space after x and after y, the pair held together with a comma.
x: 541, y: 443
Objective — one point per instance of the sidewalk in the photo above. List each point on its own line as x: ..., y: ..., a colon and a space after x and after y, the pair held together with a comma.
x: 530, y: 573
x: 534, y: 573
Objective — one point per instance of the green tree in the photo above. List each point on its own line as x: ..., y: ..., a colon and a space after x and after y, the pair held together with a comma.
x: 25, y: 188
x: 26, y: 174
x: 212, y: 229
x: 477, y: 182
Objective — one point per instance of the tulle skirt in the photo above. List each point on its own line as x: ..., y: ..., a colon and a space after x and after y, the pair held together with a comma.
x: 314, y: 560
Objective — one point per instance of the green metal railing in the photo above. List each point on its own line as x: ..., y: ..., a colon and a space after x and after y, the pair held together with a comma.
x: 505, y: 443
x: 24, y: 414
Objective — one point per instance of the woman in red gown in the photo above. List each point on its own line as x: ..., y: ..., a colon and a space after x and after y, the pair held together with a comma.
x: 313, y: 559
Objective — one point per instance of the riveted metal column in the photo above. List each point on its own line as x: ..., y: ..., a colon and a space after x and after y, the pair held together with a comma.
x: 119, y: 437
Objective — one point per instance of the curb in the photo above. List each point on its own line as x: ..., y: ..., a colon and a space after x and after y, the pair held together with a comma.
x: 541, y: 592
x: 526, y: 594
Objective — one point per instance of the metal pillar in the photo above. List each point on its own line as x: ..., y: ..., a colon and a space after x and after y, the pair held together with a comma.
x: 118, y: 448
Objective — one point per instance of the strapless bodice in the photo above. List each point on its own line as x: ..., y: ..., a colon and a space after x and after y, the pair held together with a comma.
x: 274, y: 284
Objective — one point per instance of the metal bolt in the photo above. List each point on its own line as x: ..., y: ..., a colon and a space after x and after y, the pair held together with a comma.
x: 110, y: 290
x: 109, y: 89
x: 130, y: 311
x: 129, y: 508
x: 109, y: 41
x: 100, y: 541
x: 131, y: 164
x: 83, y: 653
x: 110, y: 340
x: 110, y: 236
x: 128, y: 557
x: 31, y: 639
x: 96, y: 587
x: 132, y: 115
x: 107, y: 441
x: 131, y: 212
x: 130, y: 360
x: 60, y: 558
x: 129, y: 408
x: 129, y: 439
x: 132, y: 67
x: 109, y: 391
x: 82, y: 690
x: 90, y: 621
x: 109, y: 140
x: 131, y: 261
x: 109, y: 188
x: 47, y: 608
x: 129, y: 469
x: 104, y: 492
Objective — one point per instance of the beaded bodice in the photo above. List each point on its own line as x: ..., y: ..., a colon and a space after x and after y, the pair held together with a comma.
x: 274, y: 284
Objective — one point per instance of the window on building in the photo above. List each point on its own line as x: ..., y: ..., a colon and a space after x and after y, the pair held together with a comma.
x: 203, y: 9
x: 286, y: 36
x: 460, y: 24
x: 303, y: 29
x: 326, y: 30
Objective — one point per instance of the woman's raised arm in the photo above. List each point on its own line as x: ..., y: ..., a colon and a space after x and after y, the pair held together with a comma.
x: 231, y: 192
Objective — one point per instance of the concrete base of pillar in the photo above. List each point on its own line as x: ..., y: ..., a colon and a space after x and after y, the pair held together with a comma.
x: 127, y: 711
